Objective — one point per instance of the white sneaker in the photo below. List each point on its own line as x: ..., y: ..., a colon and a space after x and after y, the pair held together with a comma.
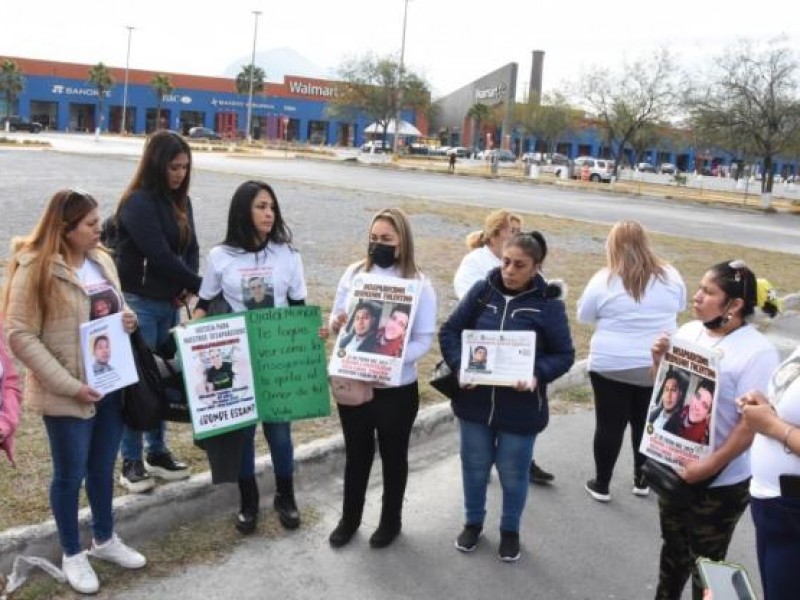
x: 79, y: 573
x: 115, y: 551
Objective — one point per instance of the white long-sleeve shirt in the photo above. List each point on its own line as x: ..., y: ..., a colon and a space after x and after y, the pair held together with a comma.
x: 474, y: 267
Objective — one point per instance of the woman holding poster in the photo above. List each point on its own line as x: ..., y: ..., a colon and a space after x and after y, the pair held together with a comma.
x: 258, y: 247
x: 722, y: 305
x: 634, y: 298
x: 50, y: 279
x: 499, y: 424
x: 393, y: 409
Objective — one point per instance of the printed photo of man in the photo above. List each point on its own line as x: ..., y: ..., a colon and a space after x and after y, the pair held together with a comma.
x: 258, y: 294
x: 219, y: 376
x: 101, y: 350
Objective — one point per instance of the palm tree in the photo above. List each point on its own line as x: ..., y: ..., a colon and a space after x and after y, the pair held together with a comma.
x: 12, y: 82
x: 162, y: 86
x: 243, y: 79
x: 100, y: 78
x: 479, y: 113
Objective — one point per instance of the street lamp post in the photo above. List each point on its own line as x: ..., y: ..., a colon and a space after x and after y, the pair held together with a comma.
x: 125, y: 88
x: 395, y: 145
x: 257, y: 13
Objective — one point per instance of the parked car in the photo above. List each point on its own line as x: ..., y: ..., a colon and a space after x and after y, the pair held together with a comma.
x: 376, y: 146
x: 644, y: 167
x: 460, y: 151
x: 204, y: 133
x: 498, y: 154
x: 17, y: 123
x: 600, y: 169
x: 668, y: 169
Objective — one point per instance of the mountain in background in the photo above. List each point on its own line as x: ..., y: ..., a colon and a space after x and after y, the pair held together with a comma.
x: 278, y: 62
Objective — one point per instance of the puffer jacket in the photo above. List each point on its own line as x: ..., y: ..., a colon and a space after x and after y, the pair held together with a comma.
x: 50, y: 349
x: 540, y: 309
x: 9, y: 403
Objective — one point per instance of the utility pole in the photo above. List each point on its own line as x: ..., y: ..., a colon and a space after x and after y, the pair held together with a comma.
x: 395, y: 141
x: 125, y: 88
x: 257, y: 13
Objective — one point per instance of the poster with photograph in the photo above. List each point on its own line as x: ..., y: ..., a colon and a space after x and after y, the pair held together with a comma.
x: 260, y: 365
x: 497, y: 357
x: 682, y: 411
x: 372, y: 343
x: 107, y: 354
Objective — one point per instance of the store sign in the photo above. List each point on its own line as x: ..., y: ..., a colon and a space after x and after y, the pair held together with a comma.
x: 310, y: 89
x: 497, y: 92
x: 68, y: 90
x: 174, y: 98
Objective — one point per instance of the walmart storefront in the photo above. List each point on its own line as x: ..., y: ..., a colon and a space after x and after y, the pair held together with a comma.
x: 60, y: 97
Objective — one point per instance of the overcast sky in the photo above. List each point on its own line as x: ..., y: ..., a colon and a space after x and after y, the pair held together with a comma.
x: 450, y: 42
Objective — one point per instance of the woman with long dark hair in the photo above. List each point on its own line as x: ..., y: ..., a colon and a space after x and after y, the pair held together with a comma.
x: 258, y: 247
x: 52, y: 277
x: 157, y: 257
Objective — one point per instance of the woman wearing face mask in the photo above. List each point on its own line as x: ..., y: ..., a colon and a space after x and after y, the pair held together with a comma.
x: 392, y: 411
x: 722, y: 305
x: 498, y: 425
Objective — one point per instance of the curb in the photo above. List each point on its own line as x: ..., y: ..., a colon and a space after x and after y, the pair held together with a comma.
x: 139, y: 517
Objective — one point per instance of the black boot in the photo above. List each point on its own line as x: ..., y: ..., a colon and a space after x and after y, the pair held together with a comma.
x: 389, y: 525
x: 284, y: 503
x: 247, y: 519
x: 344, y: 532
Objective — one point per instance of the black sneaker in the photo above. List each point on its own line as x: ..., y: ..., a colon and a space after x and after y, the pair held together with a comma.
x: 509, y: 546
x: 467, y: 540
x: 134, y: 478
x: 343, y: 533
x: 640, y: 486
x: 163, y: 466
x: 540, y: 476
x: 288, y: 514
x: 597, y: 491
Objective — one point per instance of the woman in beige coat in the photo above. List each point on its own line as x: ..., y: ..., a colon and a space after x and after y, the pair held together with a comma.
x: 53, y: 276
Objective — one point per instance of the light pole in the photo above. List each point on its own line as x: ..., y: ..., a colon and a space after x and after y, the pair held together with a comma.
x: 257, y: 13
x: 395, y: 145
x: 125, y: 88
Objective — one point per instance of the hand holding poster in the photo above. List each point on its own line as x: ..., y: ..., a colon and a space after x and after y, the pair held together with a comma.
x: 682, y: 411
x: 107, y: 355
x: 261, y: 365
x: 497, y: 357
x: 372, y: 344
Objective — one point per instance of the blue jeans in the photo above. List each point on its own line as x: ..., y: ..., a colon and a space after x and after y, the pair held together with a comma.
x: 279, y: 440
x: 156, y: 318
x: 84, y: 449
x: 481, y: 447
x: 777, y: 522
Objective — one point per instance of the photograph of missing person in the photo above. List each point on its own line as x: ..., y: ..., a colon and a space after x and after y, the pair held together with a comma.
x: 391, y: 335
x: 693, y: 421
x: 102, y: 303
x: 478, y: 359
x: 362, y: 328
x: 670, y: 399
x: 219, y: 374
x: 258, y: 292
x: 101, y: 350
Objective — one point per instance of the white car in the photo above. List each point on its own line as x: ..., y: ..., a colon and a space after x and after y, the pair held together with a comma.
x: 593, y: 169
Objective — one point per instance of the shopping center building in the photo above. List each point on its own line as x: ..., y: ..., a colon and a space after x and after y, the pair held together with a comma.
x: 61, y: 97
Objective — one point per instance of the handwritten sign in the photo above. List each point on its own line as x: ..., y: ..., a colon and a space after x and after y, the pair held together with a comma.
x: 259, y: 365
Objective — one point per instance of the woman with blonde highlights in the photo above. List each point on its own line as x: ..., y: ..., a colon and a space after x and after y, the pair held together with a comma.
x: 633, y: 299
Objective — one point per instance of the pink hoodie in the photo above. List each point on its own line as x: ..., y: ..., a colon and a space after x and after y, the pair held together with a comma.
x: 11, y: 396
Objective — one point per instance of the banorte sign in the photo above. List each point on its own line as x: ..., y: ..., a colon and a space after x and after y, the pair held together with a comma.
x: 497, y: 92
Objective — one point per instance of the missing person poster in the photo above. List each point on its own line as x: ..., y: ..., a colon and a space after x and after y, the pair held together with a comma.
x: 682, y: 411
x: 107, y: 354
x: 497, y: 357
x: 260, y: 365
x: 372, y: 343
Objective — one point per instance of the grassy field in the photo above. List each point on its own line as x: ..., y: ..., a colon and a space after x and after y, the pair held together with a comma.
x: 577, y: 251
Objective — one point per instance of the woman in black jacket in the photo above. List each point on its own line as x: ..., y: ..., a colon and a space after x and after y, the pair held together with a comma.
x: 157, y: 257
x: 499, y: 424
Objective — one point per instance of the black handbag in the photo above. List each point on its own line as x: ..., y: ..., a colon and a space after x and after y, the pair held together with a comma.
x: 143, y: 402
x: 176, y: 403
x: 670, y: 486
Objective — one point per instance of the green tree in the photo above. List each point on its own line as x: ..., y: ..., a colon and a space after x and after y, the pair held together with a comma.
x: 162, y: 86
x: 370, y: 85
x: 549, y: 121
x: 480, y: 114
x: 753, y: 97
x: 12, y: 82
x: 243, y: 80
x: 102, y: 81
x: 644, y: 92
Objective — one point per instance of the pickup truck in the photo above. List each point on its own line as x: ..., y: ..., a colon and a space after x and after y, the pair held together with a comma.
x: 17, y: 123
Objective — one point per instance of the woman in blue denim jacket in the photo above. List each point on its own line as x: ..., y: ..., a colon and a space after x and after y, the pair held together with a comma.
x: 499, y: 424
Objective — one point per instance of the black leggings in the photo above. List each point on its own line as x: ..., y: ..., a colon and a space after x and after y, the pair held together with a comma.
x: 391, y: 415
x: 616, y: 404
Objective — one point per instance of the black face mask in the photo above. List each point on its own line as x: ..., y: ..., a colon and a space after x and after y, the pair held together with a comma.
x: 382, y: 254
x: 720, y: 321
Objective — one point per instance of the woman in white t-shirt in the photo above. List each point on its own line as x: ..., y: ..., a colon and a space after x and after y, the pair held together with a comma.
x: 632, y: 300
x: 726, y: 299
x: 775, y: 487
x: 256, y: 262
x: 54, y: 275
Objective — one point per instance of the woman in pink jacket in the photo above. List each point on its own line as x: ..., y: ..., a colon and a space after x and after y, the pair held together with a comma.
x: 9, y: 401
